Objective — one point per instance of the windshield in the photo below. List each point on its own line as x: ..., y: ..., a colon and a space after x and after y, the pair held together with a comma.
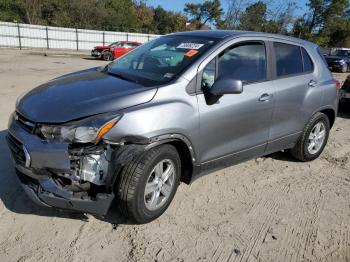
x: 113, y: 44
x: 345, y: 53
x: 161, y: 60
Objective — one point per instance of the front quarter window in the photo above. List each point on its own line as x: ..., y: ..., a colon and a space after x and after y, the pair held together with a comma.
x: 209, y: 75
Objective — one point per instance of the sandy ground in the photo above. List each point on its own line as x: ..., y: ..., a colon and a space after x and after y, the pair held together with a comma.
x: 268, y: 209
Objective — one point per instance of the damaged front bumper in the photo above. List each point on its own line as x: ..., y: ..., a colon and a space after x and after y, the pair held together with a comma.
x: 56, y: 175
x: 44, y: 191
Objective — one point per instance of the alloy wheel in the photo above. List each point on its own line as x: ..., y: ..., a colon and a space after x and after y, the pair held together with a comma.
x: 160, y: 184
x: 316, y: 138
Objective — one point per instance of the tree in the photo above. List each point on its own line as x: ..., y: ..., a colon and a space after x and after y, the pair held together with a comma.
x: 282, y: 17
x: 118, y: 15
x: 327, y: 23
x: 166, y: 22
x: 145, y: 16
x: 207, y: 12
x: 254, y: 17
x: 33, y: 11
x: 299, y: 28
x: 12, y: 11
x: 317, y: 9
x: 234, y: 11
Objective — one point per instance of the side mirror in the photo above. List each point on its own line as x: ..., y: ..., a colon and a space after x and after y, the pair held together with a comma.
x: 223, y: 86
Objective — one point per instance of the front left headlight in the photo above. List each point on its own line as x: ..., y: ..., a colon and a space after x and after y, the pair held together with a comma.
x: 87, y: 130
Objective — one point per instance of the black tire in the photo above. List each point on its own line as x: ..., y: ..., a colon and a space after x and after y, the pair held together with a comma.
x: 300, y: 150
x: 132, y: 181
x: 107, y: 56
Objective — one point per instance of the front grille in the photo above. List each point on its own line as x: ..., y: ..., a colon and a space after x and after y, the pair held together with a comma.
x: 25, y: 123
x: 16, y: 148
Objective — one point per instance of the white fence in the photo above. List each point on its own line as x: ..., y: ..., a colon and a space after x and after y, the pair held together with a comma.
x: 38, y: 36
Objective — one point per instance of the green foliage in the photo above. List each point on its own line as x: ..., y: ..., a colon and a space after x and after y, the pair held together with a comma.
x: 327, y: 23
x: 118, y: 15
x: 207, y: 12
x: 254, y: 17
x: 112, y: 15
x: 12, y: 11
x: 166, y: 22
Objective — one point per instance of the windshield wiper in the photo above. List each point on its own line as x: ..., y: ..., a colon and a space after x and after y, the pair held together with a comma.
x: 122, y: 76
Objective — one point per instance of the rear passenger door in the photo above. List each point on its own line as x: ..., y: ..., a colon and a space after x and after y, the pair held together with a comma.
x: 294, y: 81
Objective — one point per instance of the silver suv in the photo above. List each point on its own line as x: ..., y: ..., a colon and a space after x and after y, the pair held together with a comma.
x: 178, y: 107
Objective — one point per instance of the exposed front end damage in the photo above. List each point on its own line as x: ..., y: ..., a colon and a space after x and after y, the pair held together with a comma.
x: 70, y: 176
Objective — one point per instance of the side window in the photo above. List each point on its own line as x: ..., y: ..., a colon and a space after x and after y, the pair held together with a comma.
x: 246, y: 62
x: 288, y: 59
x: 308, y: 64
x: 128, y: 45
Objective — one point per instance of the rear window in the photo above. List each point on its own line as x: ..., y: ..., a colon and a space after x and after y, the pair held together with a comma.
x: 308, y: 64
x: 288, y: 59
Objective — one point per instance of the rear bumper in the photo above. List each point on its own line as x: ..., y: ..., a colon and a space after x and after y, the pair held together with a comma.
x: 43, y: 191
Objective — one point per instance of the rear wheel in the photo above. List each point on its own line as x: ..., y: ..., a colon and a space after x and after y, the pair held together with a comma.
x: 148, y: 184
x: 313, y: 139
x: 107, y: 56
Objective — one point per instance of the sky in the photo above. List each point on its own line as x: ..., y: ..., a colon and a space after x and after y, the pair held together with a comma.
x: 178, y: 5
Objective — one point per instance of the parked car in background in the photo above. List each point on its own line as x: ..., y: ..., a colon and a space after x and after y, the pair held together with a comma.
x: 176, y: 108
x: 339, y: 60
x: 114, y: 50
x: 344, y: 93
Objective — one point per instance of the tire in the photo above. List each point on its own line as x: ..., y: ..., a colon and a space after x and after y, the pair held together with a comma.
x: 132, y: 199
x: 107, y: 56
x: 303, y: 150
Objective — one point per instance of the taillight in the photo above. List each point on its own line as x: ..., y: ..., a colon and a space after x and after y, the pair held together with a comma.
x: 337, y: 84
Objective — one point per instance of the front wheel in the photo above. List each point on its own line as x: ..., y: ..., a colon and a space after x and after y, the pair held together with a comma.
x: 313, y: 139
x: 107, y: 56
x: 148, y: 184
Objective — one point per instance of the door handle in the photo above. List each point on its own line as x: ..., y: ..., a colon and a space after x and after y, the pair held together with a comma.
x: 312, y: 83
x: 265, y: 97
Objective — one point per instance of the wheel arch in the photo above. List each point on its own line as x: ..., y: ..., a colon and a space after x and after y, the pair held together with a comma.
x: 330, y: 113
x: 184, y: 149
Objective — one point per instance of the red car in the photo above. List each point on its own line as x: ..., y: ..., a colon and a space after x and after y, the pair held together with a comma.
x: 114, y: 50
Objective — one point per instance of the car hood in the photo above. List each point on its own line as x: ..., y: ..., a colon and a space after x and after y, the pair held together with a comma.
x: 102, y: 47
x: 81, y: 94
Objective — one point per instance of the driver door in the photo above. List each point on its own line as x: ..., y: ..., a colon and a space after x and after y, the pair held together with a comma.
x: 235, y: 127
